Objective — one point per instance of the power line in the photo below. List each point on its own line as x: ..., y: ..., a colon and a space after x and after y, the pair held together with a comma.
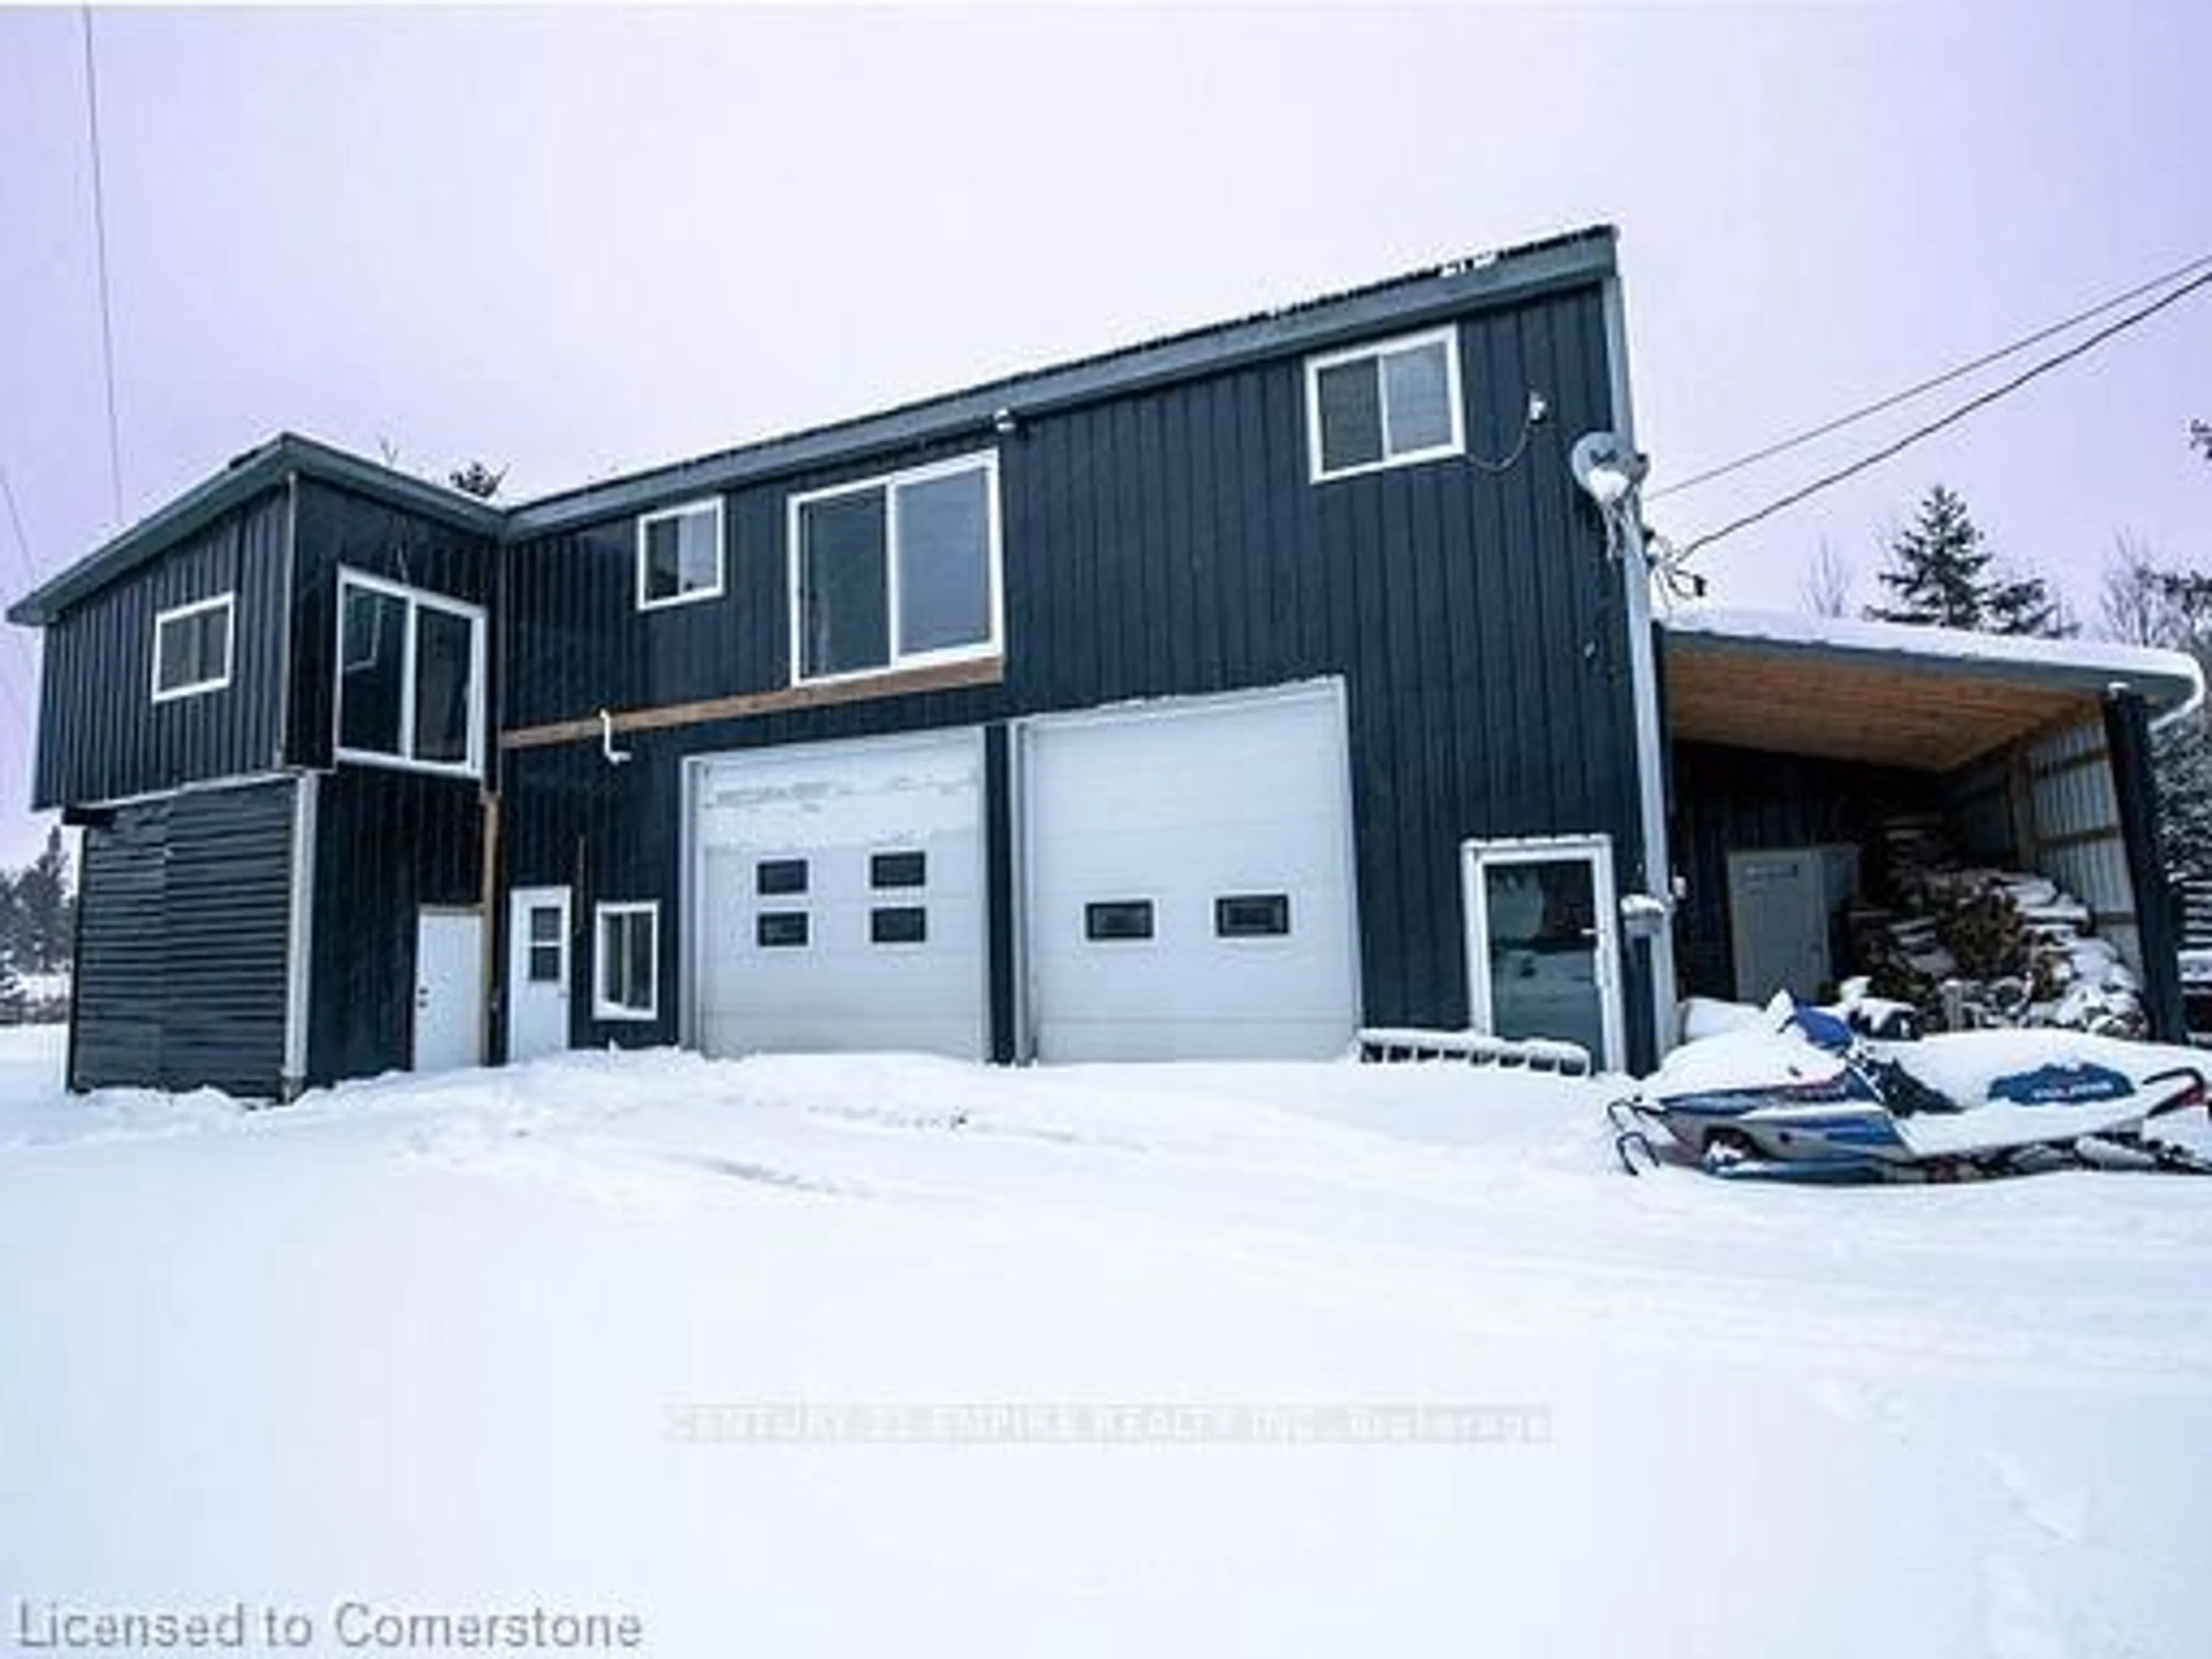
x: 1951, y: 418
x: 1934, y: 382
x: 99, y: 235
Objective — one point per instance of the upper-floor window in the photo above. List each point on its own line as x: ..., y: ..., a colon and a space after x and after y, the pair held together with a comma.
x: 679, y: 555
x: 897, y: 572
x: 1384, y: 404
x: 191, y: 648
x: 410, y: 678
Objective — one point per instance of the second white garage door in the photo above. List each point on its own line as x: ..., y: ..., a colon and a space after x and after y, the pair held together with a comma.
x: 839, y: 898
x: 1190, y: 879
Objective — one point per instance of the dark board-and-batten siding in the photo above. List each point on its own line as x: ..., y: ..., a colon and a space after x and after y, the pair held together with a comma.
x: 1162, y: 543
x: 101, y: 737
x: 183, y: 943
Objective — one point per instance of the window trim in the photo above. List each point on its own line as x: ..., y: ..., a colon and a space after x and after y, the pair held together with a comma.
x: 416, y: 598
x: 682, y: 510
x: 895, y: 661
x: 601, y: 914
x: 227, y: 602
x: 1448, y: 335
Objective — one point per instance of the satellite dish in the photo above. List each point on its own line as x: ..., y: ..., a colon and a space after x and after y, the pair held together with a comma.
x: 1605, y: 467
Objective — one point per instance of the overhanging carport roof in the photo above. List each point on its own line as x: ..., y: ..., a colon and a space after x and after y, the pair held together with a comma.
x: 1930, y: 699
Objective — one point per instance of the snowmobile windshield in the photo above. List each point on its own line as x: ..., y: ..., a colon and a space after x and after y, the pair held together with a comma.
x: 1821, y: 1029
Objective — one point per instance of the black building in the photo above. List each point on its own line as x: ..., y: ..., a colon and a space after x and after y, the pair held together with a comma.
x: 1214, y: 698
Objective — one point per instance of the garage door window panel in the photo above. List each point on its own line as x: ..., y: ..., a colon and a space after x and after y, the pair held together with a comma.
x: 1118, y: 920
x: 626, y: 971
x: 1252, y: 915
x: 773, y: 877
x: 898, y: 870
x: 903, y: 924
x: 899, y: 572
x: 779, y: 930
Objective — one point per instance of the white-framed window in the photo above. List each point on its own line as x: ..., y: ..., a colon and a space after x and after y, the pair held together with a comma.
x: 192, y: 647
x: 899, y: 571
x: 410, y: 677
x: 679, y: 555
x: 626, y: 961
x: 1390, y: 403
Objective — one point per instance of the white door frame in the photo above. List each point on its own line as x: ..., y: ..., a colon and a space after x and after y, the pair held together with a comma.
x: 1478, y: 855
x: 521, y: 900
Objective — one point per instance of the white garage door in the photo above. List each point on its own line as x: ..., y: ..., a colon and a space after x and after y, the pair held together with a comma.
x: 841, y: 897
x: 1190, y: 880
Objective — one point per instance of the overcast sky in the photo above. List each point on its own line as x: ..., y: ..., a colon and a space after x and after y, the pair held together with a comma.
x: 579, y: 242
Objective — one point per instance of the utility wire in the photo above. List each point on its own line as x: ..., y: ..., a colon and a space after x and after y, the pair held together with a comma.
x: 21, y: 543
x: 1951, y: 418
x: 1934, y: 382
x: 99, y: 235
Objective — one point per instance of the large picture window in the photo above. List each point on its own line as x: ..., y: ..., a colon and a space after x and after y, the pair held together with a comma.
x: 1385, y: 404
x: 626, y: 969
x: 679, y: 555
x: 192, y: 649
x: 410, y: 678
x: 897, y: 572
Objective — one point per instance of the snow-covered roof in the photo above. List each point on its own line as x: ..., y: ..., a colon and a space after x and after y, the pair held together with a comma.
x: 1931, y: 698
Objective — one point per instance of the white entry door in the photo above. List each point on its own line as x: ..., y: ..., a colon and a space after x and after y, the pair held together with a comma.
x: 1543, y: 951
x: 1778, y: 923
x: 537, y: 972
x: 448, y: 986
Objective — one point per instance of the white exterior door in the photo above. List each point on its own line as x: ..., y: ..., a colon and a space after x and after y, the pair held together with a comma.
x: 1189, y: 891
x: 841, y: 897
x: 539, y: 972
x: 448, y: 988
x: 1543, y: 943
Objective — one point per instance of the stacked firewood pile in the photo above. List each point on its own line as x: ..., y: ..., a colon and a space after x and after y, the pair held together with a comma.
x: 1979, y: 947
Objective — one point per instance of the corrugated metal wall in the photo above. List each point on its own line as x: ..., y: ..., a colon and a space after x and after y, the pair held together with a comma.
x: 1170, y: 541
x: 183, y: 935
x: 338, y: 527
x: 101, y: 737
x: 386, y: 843
x: 2073, y: 834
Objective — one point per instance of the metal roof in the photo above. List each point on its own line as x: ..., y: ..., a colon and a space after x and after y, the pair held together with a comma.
x: 247, y: 476
x: 1577, y: 257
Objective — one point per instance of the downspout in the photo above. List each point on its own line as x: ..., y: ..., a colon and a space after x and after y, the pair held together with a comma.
x: 1644, y: 687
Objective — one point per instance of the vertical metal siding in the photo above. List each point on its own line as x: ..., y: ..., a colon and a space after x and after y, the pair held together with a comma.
x: 185, y: 913
x: 1170, y: 541
x: 336, y: 528
x: 2070, y: 805
x: 101, y: 737
x: 386, y: 843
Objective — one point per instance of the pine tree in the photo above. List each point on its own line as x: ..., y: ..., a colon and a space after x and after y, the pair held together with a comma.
x: 46, y: 915
x: 1943, y: 574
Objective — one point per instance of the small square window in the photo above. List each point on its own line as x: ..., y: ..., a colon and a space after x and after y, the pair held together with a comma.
x: 679, y: 555
x: 544, y: 964
x: 1118, y: 919
x: 627, y: 971
x: 545, y: 923
x: 773, y: 876
x: 898, y: 870
x: 192, y: 649
x: 905, y: 924
x: 1252, y: 915
x: 1385, y: 404
x: 777, y: 930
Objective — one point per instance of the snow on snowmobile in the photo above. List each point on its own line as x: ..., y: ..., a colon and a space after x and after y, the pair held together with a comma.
x: 1804, y: 1093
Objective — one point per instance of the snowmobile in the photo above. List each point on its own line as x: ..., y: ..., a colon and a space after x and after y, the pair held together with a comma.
x: 1804, y: 1094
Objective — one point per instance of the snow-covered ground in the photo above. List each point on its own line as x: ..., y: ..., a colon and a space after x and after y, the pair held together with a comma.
x: 848, y: 1356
